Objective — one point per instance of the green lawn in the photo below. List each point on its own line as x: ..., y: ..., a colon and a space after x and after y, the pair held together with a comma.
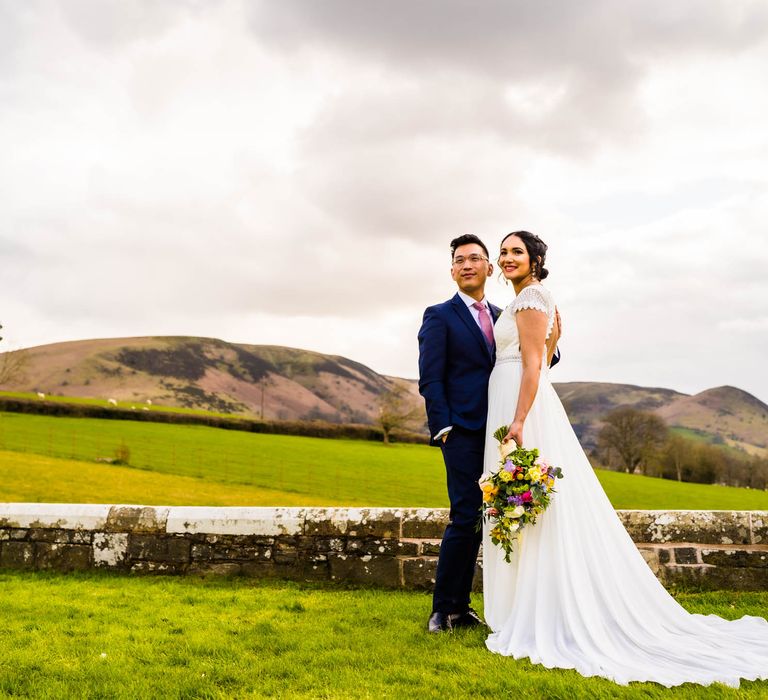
x: 187, y: 464
x: 104, y: 636
x: 127, y: 405
x: 36, y: 478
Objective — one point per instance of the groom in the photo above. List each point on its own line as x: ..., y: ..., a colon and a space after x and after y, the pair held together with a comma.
x: 456, y: 356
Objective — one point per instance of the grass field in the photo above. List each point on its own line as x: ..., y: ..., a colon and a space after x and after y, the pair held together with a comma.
x: 44, y: 458
x: 36, y: 478
x: 103, y: 636
x: 127, y: 405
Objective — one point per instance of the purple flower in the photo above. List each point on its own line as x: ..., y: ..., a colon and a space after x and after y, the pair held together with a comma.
x: 517, y: 500
x: 509, y: 466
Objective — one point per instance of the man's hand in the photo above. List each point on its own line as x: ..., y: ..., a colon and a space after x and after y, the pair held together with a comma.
x: 554, y: 337
x: 444, y: 437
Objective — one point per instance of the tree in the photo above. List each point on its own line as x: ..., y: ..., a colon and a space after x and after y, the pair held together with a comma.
x: 633, y: 435
x: 12, y: 365
x: 676, y: 449
x: 396, y: 411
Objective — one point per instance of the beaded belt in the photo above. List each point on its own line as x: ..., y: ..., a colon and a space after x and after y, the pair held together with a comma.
x: 502, y: 360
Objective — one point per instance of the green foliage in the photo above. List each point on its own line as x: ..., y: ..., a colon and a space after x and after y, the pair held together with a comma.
x: 104, y: 636
x: 501, y: 432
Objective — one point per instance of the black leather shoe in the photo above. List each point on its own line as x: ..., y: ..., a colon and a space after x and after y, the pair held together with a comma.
x: 467, y: 619
x: 439, y: 622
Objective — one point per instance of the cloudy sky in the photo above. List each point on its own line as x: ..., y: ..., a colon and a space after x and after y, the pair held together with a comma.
x: 292, y: 172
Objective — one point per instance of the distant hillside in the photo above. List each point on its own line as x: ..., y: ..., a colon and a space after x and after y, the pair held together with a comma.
x: 267, y: 381
x: 722, y: 415
x: 737, y: 417
x: 282, y: 383
x: 587, y: 402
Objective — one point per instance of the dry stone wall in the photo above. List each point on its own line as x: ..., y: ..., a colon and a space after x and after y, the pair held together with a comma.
x: 395, y: 548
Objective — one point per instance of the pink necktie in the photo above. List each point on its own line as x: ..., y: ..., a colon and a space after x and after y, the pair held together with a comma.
x: 485, y: 322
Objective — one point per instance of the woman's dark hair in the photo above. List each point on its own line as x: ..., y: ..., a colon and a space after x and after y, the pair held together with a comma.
x: 537, y: 251
x: 464, y: 240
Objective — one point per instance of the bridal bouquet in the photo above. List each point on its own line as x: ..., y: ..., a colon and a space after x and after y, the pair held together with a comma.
x: 516, y: 494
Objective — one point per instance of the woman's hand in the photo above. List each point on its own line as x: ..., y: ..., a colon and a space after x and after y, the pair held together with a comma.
x: 515, y: 433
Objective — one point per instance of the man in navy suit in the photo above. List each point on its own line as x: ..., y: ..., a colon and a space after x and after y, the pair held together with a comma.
x: 456, y: 356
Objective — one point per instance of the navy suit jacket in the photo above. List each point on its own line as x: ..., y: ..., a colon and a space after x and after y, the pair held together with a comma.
x: 454, y: 366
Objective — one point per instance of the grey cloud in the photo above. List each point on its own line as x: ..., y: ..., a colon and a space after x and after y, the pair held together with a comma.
x: 458, y: 58
x: 510, y: 39
x: 592, y: 53
x: 435, y: 130
x: 108, y: 24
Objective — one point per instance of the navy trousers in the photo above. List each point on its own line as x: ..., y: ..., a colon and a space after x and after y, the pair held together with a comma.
x: 463, y: 455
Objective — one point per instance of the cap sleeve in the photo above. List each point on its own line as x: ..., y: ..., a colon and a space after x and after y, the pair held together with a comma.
x: 538, y: 298
x: 533, y: 297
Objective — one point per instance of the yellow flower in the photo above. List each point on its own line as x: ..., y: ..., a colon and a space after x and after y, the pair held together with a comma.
x: 534, y: 474
x: 489, y: 491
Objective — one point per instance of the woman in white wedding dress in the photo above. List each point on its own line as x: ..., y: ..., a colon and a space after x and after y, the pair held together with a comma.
x: 577, y: 593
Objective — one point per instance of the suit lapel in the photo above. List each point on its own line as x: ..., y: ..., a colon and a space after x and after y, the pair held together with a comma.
x: 466, y: 315
x: 495, y: 312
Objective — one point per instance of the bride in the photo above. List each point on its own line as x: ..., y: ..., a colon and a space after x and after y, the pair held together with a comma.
x: 577, y: 593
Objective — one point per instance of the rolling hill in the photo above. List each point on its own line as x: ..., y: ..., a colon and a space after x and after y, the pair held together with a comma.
x: 280, y: 383
x: 266, y: 381
x: 735, y: 416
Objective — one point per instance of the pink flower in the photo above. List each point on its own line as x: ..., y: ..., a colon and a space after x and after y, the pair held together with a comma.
x: 527, y: 497
x: 492, y: 512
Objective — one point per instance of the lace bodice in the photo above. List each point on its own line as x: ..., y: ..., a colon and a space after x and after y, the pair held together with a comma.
x: 505, y: 331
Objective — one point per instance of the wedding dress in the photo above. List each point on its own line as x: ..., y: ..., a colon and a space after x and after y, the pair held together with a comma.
x: 577, y: 593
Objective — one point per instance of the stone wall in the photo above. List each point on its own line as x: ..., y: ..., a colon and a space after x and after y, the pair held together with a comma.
x: 371, y: 546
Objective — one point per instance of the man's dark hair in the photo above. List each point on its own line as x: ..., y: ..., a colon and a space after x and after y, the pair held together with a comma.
x: 464, y: 240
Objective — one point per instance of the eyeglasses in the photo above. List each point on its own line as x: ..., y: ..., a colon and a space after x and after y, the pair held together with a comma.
x: 474, y: 259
